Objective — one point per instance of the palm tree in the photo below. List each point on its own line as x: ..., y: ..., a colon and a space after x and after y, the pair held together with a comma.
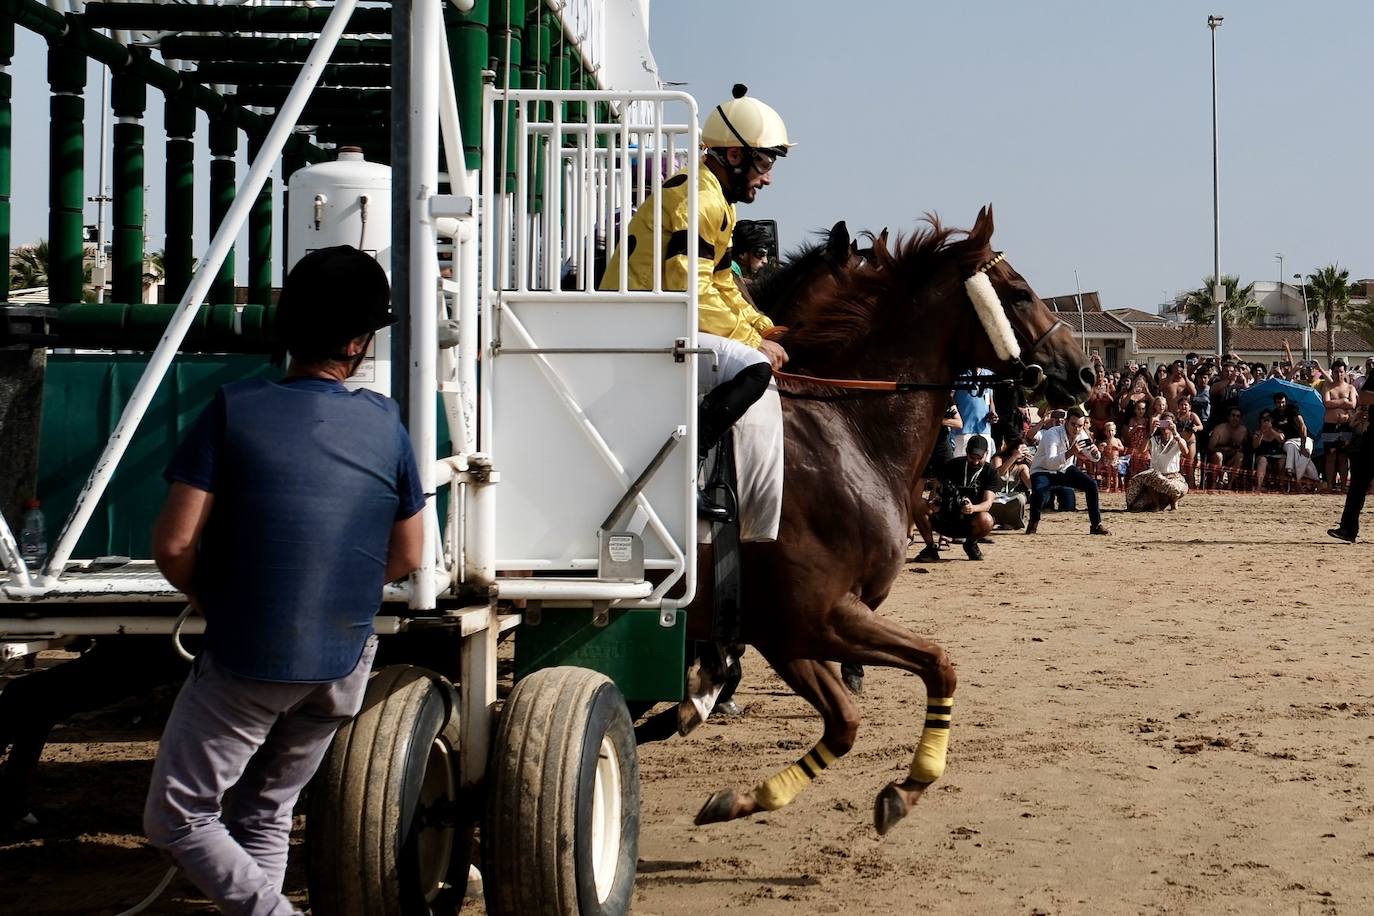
x: 1241, y: 309
x: 154, y: 269
x: 1359, y: 317
x: 1329, y: 288
x: 29, y: 266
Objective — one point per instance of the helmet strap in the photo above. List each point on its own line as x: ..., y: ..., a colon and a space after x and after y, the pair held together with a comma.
x: 355, y: 360
x: 737, y: 176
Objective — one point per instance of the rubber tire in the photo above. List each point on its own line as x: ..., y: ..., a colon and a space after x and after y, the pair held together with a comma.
x: 360, y: 826
x: 536, y: 839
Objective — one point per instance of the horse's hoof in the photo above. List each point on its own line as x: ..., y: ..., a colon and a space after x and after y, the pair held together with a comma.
x: 888, y: 808
x: 718, y: 808
x: 853, y: 677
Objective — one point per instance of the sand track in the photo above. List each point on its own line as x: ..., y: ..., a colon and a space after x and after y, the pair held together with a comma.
x: 1178, y: 718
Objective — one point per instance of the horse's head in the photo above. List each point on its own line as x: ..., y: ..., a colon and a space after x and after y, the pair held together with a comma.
x: 1022, y: 335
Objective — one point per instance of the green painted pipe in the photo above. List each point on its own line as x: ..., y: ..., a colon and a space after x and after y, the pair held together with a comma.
x: 378, y: 99
x: 231, y: 19
x: 128, y: 99
x: 536, y: 75
x: 506, y: 37
x: 260, y: 238
x: 224, y: 145
x: 66, y: 174
x: 125, y: 326
x: 6, y: 120
x: 183, y: 18
x: 178, y: 251
x: 291, y: 163
x: 71, y: 31
x: 272, y: 50
x: 333, y: 75
x: 468, y: 50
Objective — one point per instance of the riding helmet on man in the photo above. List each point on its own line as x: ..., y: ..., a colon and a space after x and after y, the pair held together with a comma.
x: 330, y: 297
x: 746, y: 124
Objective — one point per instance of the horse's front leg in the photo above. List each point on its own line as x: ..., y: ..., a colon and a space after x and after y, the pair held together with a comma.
x: 858, y: 636
x: 819, y: 685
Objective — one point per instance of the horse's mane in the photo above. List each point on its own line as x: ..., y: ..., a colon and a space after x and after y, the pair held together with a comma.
x: 771, y: 285
x: 850, y: 313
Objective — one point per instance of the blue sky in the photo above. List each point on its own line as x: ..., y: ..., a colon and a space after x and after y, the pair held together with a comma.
x: 1087, y: 125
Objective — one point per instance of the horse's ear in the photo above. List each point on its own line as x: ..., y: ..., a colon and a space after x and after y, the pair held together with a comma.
x: 882, y: 236
x: 981, y: 233
x: 837, y: 246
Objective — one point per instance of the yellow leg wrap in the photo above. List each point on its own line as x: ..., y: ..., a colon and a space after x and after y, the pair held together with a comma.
x: 929, y: 763
x: 781, y: 788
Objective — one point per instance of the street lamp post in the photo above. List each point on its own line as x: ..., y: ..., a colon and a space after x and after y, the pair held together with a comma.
x: 1306, y: 320
x: 1218, y: 289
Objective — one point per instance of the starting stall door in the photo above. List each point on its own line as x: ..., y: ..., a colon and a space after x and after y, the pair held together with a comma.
x: 586, y: 392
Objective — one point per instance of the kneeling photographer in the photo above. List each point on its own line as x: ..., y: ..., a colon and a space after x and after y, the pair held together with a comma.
x: 967, y: 485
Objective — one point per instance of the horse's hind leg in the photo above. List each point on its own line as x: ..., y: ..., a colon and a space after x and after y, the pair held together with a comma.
x: 858, y: 636
x: 819, y: 685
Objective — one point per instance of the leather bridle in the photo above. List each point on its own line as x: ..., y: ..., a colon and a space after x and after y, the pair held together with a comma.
x: 1022, y: 370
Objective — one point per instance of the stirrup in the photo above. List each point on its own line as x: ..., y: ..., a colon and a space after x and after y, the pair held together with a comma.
x: 712, y: 512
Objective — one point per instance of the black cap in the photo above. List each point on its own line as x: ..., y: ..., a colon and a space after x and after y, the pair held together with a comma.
x: 330, y: 297
x: 976, y: 445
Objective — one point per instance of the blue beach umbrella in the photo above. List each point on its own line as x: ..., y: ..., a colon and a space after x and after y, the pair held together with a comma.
x: 1260, y: 397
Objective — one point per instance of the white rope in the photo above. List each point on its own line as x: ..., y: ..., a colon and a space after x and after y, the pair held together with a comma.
x: 156, y: 893
x: 176, y: 633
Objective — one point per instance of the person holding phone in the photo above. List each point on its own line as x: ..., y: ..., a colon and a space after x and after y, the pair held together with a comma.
x: 1161, y: 485
x: 1061, y: 439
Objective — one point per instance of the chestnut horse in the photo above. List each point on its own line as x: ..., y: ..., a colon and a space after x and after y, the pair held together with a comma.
x: 921, y: 311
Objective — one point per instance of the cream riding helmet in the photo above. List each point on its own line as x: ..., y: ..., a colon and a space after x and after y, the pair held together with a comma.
x: 747, y: 124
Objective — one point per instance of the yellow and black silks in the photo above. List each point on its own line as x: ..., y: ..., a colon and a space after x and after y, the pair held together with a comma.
x: 722, y: 309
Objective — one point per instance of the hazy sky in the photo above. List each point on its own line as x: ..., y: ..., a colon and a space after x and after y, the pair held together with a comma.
x: 1087, y: 125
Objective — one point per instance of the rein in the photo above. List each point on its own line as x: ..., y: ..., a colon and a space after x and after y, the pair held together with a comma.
x: 854, y: 387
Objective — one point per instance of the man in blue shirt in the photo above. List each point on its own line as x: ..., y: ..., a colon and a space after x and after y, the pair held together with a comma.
x: 291, y: 504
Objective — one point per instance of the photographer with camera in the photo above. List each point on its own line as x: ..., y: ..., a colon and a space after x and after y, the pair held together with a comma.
x: 1061, y: 439
x: 1161, y: 485
x: 967, y: 485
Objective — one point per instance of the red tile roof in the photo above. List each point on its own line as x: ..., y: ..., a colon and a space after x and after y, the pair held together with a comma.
x: 1202, y: 336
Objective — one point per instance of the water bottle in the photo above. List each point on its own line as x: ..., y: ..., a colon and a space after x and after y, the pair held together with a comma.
x: 33, y: 537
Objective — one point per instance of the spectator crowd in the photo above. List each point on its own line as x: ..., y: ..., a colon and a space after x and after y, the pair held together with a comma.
x: 1151, y: 434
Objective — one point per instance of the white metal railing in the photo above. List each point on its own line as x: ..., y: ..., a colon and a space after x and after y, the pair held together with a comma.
x: 551, y: 223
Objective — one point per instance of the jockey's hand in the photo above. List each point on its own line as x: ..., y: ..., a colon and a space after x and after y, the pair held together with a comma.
x: 777, y: 356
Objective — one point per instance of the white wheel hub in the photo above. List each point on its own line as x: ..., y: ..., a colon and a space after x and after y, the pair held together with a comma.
x: 606, y: 795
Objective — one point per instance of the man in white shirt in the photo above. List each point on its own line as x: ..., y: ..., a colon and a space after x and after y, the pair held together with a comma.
x: 1060, y: 439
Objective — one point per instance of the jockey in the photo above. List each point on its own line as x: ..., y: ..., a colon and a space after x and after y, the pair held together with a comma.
x: 743, y: 137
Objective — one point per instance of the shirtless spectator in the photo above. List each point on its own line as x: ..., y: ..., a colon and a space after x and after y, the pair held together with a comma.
x: 1337, y: 433
x: 1112, y: 449
x: 1177, y: 384
x: 1101, y: 405
x: 1226, y: 449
